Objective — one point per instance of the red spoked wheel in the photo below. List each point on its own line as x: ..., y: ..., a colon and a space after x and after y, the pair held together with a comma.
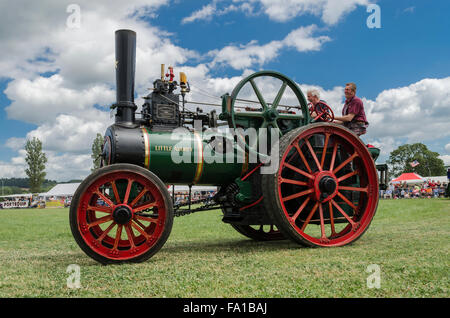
x: 325, y: 192
x: 324, y: 113
x: 121, y: 213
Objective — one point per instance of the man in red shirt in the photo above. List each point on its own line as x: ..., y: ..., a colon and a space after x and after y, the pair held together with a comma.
x: 353, y: 115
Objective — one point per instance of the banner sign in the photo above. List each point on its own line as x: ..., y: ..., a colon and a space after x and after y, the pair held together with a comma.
x: 14, y: 204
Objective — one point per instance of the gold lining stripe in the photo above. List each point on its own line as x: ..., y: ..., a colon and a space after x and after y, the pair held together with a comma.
x: 147, y: 148
x: 199, y: 171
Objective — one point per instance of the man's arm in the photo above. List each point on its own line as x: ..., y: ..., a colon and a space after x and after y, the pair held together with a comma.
x: 342, y: 119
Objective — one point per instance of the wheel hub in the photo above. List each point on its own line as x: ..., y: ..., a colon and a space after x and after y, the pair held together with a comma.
x: 122, y: 214
x: 271, y: 114
x: 327, y: 185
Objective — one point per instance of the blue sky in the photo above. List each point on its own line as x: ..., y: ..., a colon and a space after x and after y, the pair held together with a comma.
x: 56, y: 81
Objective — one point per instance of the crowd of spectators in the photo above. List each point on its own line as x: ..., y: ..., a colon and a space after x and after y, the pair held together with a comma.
x: 427, y: 189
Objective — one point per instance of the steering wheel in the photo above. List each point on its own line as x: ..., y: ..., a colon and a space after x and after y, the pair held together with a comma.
x: 324, y: 113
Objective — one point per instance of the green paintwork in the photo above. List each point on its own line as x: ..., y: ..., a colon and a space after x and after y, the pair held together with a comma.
x: 215, y: 171
x: 245, y: 191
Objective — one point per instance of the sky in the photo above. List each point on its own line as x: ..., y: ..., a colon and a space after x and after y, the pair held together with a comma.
x: 57, y: 76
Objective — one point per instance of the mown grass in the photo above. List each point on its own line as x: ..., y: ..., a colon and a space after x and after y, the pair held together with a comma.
x: 408, y: 239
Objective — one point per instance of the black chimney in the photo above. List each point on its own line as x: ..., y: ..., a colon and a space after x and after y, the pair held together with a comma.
x: 125, y: 70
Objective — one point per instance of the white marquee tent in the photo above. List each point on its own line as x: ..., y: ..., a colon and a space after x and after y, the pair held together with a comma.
x: 61, y: 190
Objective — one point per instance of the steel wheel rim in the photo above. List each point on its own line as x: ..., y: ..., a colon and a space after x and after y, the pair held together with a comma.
x: 306, y: 192
x: 102, y: 232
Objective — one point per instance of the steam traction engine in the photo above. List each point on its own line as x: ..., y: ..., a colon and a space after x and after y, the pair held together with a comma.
x: 322, y: 192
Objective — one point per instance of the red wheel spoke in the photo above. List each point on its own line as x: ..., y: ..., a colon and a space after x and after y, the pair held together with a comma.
x: 127, y: 192
x: 310, y: 216
x: 100, y: 208
x: 101, y: 237
x: 293, y: 182
x: 347, y: 201
x: 333, y: 156
x: 116, y: 193
x: 130, y: 235
x: 144, y: 207
x: 118, y: 235
x: 100, y: 221
x: 330, y: 208
x: 140, y: 230
x: 348, y: 175
x: 144, y: 218
x: 324, y: 151
x: 299, y: 194
x: 343, y: 213
x: 313, y: 153
x: 352, y: 189
x: 105, y: 199
x: 140, y: 224
x: 136, y: 199
x: 287, y: 165
x: 300, y: 209
x: 300, y: 152
x: 343, y: 164
x: 322, y: 224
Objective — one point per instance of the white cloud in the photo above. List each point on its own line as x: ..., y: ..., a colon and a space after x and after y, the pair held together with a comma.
x: 418, y: 112
x: 246, y: 56
x: 330, y: 11
x: 43, y: 99
x: 446, y: 159
x: 71, y: 134
x: 409, y: 9
x: 447, y: 147
x: 302, y: 39
x: 205, y: 13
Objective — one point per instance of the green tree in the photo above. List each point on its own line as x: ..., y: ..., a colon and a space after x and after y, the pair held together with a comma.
x: 96, y: 152
x: 36, y: 160
x: 429, y: 163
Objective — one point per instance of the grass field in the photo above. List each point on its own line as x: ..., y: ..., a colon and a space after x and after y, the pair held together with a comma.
x: 408, y: 239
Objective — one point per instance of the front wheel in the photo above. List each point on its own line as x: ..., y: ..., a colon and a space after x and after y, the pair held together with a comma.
x: 121, y: 213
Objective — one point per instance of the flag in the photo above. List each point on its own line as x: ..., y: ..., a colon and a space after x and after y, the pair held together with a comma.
x: 414, y: 163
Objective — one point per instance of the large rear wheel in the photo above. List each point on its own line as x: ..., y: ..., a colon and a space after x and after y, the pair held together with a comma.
x: 325, y: 192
